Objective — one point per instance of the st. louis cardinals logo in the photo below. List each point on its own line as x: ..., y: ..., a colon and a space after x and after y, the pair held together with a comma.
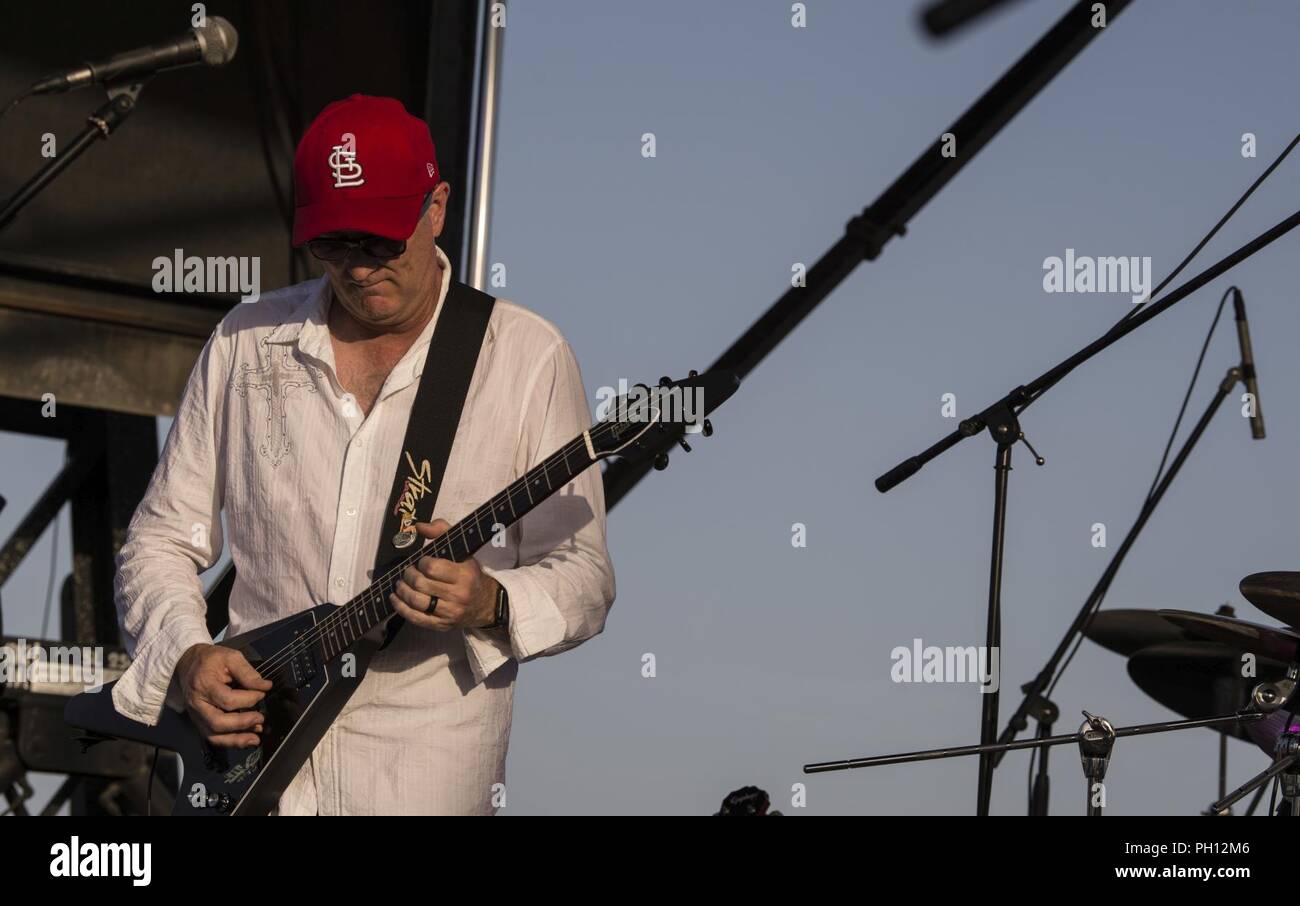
x: 416, y: 486
x: 343, y: 161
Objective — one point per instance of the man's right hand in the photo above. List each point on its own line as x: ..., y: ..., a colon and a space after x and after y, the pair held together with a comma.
x: 220, y: 686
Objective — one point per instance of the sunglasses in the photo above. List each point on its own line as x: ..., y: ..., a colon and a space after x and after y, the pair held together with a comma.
x: 373, y: 246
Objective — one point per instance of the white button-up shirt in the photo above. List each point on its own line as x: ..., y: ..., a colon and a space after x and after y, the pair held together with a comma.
x: 266, y: 432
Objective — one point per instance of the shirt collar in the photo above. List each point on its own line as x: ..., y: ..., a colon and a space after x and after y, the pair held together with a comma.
x: 308, y: 326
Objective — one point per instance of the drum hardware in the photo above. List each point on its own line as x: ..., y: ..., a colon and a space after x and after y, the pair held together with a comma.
x: 1095, y: 741
x: 1266, y: 699
x: 1196, y: 679
x: 1191, y: 663
x: 1288, y: 750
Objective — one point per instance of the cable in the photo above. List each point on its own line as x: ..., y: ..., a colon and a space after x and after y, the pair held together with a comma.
x: 1120, y: 323
x: 15, y: 102
x: 1200, y: 245
x: 148, y: 809
x: 1146, y: 503
x: 1200, y: 360
x: 1195, y: 372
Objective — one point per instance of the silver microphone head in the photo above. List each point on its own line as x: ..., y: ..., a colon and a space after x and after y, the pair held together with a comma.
x: 218, y: 40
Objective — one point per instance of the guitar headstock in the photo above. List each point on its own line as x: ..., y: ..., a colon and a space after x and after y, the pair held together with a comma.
x: 649, y: 420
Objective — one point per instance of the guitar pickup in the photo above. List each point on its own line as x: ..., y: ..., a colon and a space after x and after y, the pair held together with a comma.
x: 302, y: 667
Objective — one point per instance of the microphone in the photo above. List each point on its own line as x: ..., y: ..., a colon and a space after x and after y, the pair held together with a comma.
x: 1248, y: 364
x: 212, y: 45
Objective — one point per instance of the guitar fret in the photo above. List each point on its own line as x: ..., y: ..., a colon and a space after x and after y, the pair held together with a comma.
x: 370, y: 608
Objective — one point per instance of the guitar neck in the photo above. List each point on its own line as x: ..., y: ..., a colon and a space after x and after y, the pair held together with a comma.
x: 371, y: 608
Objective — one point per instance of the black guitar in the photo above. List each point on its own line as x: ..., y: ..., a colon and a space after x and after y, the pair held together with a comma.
x: 304, y: 655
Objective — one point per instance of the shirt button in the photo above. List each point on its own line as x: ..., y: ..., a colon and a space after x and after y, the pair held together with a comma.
x: 352, y: 511
x: 339, y: 581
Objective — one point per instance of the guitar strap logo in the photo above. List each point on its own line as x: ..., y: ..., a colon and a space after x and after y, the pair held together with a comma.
x: 431, y: 426
x: 414, y: 489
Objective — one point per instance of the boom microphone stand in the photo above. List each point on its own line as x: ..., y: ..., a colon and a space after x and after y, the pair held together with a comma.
x: 1036, y: 689
x: 1002, y: 422
x: 103, y: 123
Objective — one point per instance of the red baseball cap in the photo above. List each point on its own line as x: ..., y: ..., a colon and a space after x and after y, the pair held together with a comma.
x: 363, y: 165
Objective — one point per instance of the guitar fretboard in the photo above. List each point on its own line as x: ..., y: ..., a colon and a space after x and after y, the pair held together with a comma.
x: 371, y: 608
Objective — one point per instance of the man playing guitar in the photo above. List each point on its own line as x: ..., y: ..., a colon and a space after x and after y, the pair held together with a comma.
x: 291, y: 424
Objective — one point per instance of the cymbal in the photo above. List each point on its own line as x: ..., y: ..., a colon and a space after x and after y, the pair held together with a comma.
x: 1201, y: 679
x: 1127, y: 632
x: 1275, y: 593
x: 1240, y: 635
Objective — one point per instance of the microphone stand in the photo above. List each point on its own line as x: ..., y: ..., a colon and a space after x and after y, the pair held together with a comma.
x: 1036, y: 689
x: 1001, y: 421
x: 122, y: 97
x: 1286, y: 753
x: 1045, y: 712
x: 1095, y: 740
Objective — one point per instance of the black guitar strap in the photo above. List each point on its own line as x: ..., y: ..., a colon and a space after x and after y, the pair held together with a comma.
x: 435, y: 415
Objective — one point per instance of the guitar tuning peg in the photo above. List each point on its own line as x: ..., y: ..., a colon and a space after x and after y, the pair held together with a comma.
x: 661, y: 462
x: 693, y: 373
x: 707, y: 430
x: 665, y: 381
x: 684, y: 445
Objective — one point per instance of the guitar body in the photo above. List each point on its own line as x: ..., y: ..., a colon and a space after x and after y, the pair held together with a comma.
x: 307, y: 695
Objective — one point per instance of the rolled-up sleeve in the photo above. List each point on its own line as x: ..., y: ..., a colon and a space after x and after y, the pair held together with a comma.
x: 563, y: 586
x: 174, y: 535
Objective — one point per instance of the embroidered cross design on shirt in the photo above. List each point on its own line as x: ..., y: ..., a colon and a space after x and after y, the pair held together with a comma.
x: 273, y: 382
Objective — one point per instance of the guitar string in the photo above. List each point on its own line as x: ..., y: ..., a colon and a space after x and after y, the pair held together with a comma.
x: 281, y: 659
x: 373, y: 594
x: 278, y: 661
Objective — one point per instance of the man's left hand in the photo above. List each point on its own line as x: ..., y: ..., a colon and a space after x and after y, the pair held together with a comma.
x: 461, y: 595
